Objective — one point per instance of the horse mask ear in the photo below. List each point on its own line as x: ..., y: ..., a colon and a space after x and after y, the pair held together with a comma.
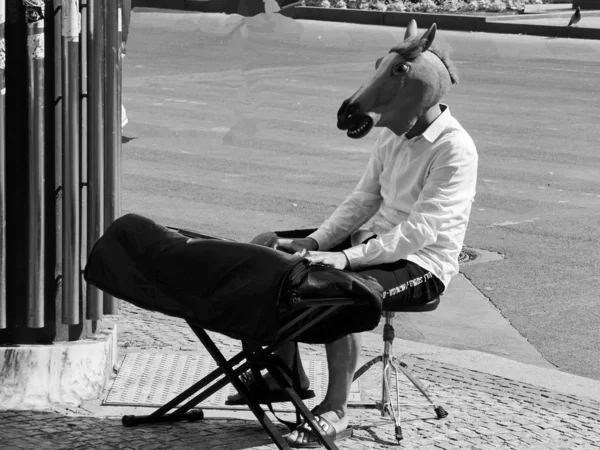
x: 428, y: 37
x: 411, y: 30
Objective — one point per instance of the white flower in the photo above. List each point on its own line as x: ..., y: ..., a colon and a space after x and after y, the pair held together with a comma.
x: 378, y: 5
x: 397, y: 6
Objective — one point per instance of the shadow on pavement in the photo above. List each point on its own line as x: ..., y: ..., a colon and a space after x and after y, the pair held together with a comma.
x: 125, y: 139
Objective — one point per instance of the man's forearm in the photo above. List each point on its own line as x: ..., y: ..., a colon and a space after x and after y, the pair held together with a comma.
x: 356, y: 210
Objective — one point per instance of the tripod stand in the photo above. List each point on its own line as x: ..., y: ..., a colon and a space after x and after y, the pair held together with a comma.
x: 392, y: 364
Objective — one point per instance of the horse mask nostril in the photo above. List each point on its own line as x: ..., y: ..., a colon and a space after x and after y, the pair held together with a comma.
x: 352, y: 110
x: 343, y: 115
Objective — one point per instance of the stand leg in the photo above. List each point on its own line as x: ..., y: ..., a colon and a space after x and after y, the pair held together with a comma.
x: 190, y: 416
x: 366, y: 367
x: 439, y: 410
x: 395, y: 415
x: 251, y: 401
x: 181, y: 413
x: 360, y: 372
x: 389, y: 363
x: 232, y: 376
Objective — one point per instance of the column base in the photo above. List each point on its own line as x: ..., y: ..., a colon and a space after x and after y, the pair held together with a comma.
x: 63, y: 373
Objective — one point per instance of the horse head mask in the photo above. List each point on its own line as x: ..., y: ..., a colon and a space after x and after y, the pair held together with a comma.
x: 408, y: 81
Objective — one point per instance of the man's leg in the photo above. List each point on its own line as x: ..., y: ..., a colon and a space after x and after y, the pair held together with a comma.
x: 290, y: 355
x: 291, y: 359
x: 342, y: 361
x: 287, y: 351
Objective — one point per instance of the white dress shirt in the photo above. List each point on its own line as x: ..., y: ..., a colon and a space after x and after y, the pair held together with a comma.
x: 418, y: 193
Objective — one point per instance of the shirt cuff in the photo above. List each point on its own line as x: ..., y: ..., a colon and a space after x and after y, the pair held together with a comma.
x: 321, y: 237
x: 356, y: 257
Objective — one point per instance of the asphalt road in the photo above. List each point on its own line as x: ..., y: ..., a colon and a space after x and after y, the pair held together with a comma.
x: 235, y: 135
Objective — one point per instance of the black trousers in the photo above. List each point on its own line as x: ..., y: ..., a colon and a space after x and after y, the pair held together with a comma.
x: 404, y: 282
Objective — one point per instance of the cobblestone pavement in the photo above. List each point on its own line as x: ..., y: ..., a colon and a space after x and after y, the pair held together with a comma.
x: 485, y: 411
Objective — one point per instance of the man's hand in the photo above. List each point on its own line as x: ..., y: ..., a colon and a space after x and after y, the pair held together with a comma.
x: 306, y: 247
x: 337, y: 260
x: 296, y: 245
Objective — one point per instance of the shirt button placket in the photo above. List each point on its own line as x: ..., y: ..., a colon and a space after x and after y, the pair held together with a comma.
x: 393, y: 180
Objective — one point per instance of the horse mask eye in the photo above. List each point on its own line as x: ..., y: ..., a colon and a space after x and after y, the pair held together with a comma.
x: 400, y: 69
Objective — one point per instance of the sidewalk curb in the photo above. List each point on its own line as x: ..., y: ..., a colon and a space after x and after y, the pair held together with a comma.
x: 444, y: 21
x: 455, y: 22
x: 544, y: 377
x: 545, y: 15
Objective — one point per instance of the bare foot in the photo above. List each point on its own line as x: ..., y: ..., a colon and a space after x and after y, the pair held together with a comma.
x: 303, y: 434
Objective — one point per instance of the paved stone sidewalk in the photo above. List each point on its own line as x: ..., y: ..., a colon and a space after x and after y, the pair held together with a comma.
x: 486, y: 411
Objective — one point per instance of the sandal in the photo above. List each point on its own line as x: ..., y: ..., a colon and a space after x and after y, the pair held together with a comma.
x: 329, y: 432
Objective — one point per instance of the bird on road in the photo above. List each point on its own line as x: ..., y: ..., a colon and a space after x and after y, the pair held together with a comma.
x: 576, y: 17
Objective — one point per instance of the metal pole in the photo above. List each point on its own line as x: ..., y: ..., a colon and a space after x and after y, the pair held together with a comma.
x: 34, y: 14
x: 112, y: 128
x: 58, y: 150
x: 95, y: 108
x: 70, y: 162
x: 83, y: 154
x: 119, y: 101
x: 2, y: 169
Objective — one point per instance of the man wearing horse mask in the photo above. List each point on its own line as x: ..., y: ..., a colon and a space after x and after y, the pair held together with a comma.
x: 405, y: 222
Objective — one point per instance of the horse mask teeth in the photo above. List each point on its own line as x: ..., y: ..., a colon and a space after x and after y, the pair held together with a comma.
x: 396, y: 100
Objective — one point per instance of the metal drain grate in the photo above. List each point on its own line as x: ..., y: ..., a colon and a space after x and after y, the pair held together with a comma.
x: 152, y: 379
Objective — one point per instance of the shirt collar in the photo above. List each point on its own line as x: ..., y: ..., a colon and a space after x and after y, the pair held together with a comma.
x: 435, y: 129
